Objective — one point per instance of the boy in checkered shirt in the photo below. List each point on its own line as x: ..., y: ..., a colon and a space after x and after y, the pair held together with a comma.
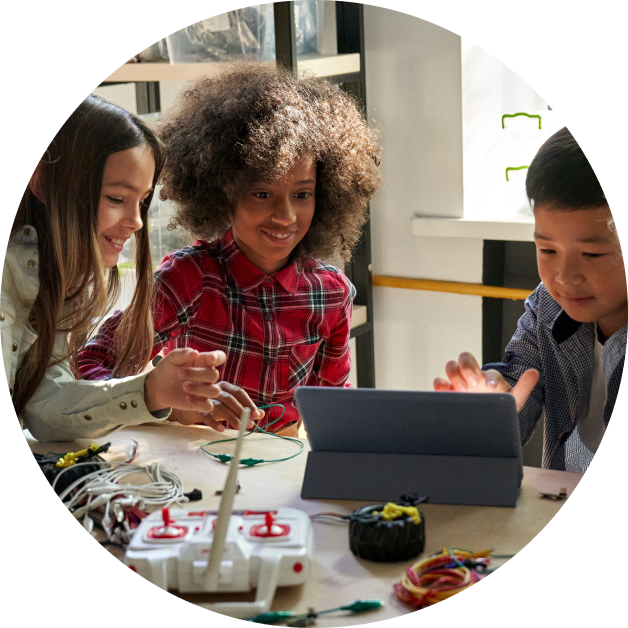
x: 567, y: 356
x: 270, y: 173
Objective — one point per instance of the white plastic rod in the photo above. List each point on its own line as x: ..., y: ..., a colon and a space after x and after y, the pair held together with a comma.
x: 224, y: 511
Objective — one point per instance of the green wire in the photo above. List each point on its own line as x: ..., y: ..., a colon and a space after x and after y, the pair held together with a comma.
x: 251, y: 462
x: 454, y: 558
x: 359, y: 606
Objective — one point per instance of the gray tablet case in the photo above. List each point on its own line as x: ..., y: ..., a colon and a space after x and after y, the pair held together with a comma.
x: 376, y: 445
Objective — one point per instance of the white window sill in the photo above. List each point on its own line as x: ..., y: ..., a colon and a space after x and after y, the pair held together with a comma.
x: 518, y: 228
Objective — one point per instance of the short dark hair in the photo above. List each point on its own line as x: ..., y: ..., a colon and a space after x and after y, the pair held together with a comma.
x: 561, y: 175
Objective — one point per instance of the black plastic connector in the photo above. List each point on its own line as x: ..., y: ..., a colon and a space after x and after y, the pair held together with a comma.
x: 195, y: 495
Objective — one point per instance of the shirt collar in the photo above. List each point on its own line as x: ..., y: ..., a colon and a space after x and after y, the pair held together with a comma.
x: 565, y: 327
x: 249, y: 276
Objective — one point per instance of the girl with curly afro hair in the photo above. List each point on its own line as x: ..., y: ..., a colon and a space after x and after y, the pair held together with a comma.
x: 270, y: 173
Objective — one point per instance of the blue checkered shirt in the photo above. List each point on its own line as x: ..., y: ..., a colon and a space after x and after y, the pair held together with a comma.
x: 562, y: 350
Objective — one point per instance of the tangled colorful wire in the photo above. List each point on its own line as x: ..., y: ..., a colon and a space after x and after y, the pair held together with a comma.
x: 441, y: 575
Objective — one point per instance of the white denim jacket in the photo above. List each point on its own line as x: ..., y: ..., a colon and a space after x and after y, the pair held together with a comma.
x: 62, y: 408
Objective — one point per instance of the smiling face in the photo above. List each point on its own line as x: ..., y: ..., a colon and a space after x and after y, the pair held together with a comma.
x: 272, y: 219
x: 580, y: 263
x: 127, y: 181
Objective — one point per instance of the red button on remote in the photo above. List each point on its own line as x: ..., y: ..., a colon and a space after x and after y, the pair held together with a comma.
x: 270, y: 529
x: 167, y: 531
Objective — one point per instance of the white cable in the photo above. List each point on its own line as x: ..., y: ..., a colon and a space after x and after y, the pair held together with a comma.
x: 164, y: 485
x: 96, y: 489
x: 63, y: 496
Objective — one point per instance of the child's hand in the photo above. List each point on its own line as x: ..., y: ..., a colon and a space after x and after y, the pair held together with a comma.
x: 184, y: 379
x: 227, y: 408
x: 467, y: 376
x: 229, y: 405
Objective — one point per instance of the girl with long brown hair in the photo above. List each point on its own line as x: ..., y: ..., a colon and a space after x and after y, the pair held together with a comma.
x: 89, y: 194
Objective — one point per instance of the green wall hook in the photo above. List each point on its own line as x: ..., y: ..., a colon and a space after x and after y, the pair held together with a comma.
x: 514, y: 115
x: 512, y: 168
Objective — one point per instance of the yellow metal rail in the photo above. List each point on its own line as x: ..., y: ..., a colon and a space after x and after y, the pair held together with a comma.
x: 475, y: 289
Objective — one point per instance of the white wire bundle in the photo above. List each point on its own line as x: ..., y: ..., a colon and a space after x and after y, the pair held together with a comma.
x: 163, y: 489
x: 97, y: 489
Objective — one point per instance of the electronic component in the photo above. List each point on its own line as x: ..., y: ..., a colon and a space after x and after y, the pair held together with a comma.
x: 388, y: 532
x: 225, y: 551
x: 442, y: 575
x: 262, y: 550
x: 562, y: 494
x: 251, y: 462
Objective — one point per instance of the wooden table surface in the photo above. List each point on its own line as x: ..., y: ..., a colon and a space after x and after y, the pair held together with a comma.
x: 338, y: 577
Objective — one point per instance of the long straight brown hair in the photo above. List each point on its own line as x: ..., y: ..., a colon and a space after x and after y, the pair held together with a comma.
x: 75, y: 288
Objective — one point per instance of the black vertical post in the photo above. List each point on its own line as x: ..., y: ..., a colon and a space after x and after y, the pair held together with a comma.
x: 350, y: 39
x: 285, y: 40
x: 147, y: 97
x: 360, y: 19
x: 365, y: 344
x: 493, y: 264
x: 349, y: 27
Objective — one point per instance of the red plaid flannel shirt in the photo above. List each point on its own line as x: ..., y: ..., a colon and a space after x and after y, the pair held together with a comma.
x: 279, y: 331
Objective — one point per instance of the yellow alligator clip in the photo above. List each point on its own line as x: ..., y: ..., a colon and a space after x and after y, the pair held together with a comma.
x: 393, y: 511
x: 71, y: 457
x: 83, y: 452
x: 62, y: 463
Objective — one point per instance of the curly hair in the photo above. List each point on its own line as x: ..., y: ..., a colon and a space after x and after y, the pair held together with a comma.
x: 252, y: 123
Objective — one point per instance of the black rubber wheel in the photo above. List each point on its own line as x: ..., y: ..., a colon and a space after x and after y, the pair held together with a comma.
x: 372, y: 538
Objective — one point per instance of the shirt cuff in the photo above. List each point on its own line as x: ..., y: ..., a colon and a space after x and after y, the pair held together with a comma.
x: 162, y: 413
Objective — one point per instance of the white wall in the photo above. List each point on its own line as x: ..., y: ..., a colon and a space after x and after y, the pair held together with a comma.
x: 417, y: 332
x: 439, y: 102
x: 481, y: 110
x: 168, y: 91
x: 506, y: 75
x: 414, y: 93
x: 489, y: 90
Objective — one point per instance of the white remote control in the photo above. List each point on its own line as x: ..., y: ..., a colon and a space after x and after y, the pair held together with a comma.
x: 225, y: 551
x: 262, y: 550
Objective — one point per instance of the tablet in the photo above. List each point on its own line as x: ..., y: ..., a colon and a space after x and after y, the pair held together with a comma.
x: 370, y: 444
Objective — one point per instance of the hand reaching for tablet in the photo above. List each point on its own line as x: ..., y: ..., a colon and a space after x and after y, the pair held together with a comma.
x: 465, y: 375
